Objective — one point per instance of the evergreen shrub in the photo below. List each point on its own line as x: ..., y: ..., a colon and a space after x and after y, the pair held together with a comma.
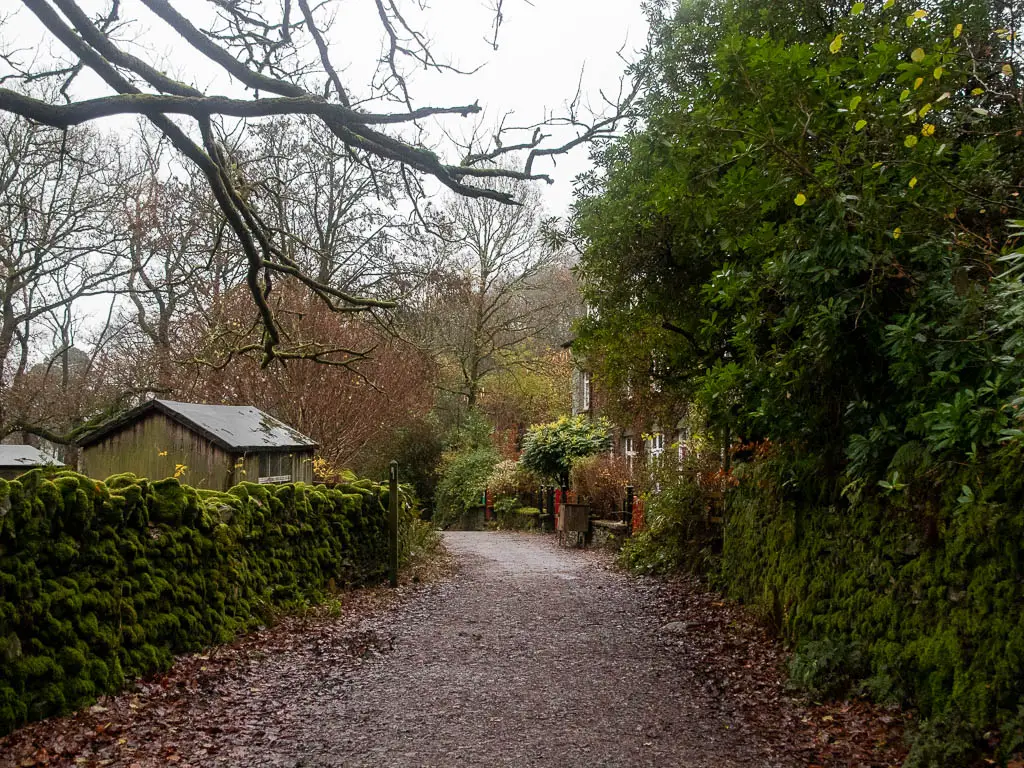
x: 101, y: 582
x: 678, y: 534
x: 464, y: 476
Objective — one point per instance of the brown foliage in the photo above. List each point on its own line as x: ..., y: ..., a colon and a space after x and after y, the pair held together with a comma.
x: 602, y: 480
x: 375, y: 383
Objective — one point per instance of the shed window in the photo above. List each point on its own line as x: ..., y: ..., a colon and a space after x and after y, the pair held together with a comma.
x: 275, y: 467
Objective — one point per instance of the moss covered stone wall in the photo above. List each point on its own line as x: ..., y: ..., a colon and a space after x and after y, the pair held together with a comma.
x: 102, y: 582
x: 915, y: 596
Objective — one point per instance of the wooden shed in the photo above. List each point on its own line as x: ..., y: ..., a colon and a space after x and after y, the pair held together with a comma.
x: 205, y: 446
x: 18, y: 459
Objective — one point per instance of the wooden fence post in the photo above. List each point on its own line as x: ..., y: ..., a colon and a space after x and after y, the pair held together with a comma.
x: 393, y: 523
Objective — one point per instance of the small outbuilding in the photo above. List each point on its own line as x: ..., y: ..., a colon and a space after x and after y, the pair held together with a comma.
x: 205, y: 446
x: 18, y: 459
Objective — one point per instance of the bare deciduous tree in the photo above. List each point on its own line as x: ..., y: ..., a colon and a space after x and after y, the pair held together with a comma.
x: 281, y: 55
x: 58, y: 191
x: 335, y: 215
x: 346, y: 409
x: 181, y: 259
x: 491, y: 288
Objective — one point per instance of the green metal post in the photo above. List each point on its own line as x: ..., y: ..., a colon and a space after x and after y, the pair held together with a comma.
x: 393, y: 523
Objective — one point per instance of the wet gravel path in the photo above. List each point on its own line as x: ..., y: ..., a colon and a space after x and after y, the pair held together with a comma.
x: 530, y: 655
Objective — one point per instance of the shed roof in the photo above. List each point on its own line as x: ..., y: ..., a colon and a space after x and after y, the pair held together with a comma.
x: 233, y: 427
x: 25, y: 457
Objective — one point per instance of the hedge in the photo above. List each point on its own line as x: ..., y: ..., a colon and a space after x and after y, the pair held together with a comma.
x: 104, y: 582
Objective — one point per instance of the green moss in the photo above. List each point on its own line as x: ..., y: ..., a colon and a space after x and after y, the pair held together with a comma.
x: 908, y: 601
x: 100, y: 582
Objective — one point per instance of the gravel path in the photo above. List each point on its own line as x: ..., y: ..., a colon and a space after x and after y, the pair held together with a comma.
x: 531, y: 655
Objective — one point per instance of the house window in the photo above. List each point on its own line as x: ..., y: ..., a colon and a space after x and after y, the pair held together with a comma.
x: 657, y: 373
x: 586, y: 391
x: 683, y: 448
x: 275, y: 468
x: 656, y: 446
x: 629, y: 451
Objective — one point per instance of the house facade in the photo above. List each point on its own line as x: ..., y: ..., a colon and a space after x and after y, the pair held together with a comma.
x: 205, y: 446
x: 639, y: 434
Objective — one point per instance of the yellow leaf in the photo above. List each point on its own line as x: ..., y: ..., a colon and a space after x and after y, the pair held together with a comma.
x: 925, y: 109
x: 917, y: 56
x: 877, y: 165
x: 800, y: 199
x: 937, y: 73
x: 1007, y: 70
x: 855, y: 102
x: 896, y: 233
x: 889, y: 3
x: 836, y: 44
x: 920, y: 14
x: 918, y: 83
x: 957, y: 30
x: 161, y: 453
x: 858, y: 8
x: 910, y: 142
x: 927, y: 129
x: 977, y: 92
x: 860, y: 125
x: 913, y: 182
x: 905, y: 95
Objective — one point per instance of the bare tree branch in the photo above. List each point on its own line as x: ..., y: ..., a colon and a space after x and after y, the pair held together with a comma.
x: 265, y: 49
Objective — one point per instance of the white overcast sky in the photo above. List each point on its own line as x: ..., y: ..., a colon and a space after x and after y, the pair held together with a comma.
x: 543, y: 47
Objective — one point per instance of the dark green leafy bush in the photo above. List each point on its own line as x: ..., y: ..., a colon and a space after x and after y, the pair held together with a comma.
x: 678, y: 534
x: 464, y: 476
x: 549, y: 450
x: 418, y: 539
x: 102, y: 582
x: 828, y: 668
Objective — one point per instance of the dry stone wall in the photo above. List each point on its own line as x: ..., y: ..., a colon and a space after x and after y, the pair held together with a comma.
x: 101, y: 582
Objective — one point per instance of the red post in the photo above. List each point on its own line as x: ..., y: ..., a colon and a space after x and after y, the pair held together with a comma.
x: 638, y: 514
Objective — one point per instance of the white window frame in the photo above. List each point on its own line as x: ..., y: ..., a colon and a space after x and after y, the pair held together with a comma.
x: 656, y: 446
x: 629, y: 450
x: 274, y: 461
x: 684, y: 449
x: 657, y: 367
x: 586, y: 390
